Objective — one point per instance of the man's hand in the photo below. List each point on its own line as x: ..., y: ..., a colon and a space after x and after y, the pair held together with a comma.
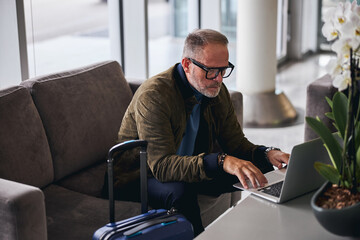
x: 277, y: 158
x: 244, y: 170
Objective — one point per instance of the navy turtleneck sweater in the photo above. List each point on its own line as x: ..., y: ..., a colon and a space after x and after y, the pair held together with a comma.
x: 192, y: 126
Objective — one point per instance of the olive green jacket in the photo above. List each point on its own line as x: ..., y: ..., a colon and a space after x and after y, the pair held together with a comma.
x: 158, y: 113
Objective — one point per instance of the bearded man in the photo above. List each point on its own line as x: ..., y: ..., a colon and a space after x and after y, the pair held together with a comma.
x: 181, y: 113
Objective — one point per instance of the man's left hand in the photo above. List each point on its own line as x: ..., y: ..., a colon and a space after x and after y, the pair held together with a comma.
x: 277, y: 158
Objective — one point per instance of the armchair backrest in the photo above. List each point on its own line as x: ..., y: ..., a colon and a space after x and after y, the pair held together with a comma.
x: 81, y: 111
x: 24, y: 151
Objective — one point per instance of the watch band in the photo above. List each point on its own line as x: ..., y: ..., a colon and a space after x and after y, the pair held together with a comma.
x: 267, y: 150
x: 221, y: 159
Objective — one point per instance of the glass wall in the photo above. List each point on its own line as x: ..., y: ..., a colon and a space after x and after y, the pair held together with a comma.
x: 63, y: 35
x: 169, y: 23
x: 167, y: 27
x: 180, y: 18
x: 228, y: 18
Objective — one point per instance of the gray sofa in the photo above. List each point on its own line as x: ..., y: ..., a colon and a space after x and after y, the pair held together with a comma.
x: 55, y: 132
x: 316, y: 104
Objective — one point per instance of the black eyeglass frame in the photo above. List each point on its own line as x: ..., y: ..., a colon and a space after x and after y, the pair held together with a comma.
x: 207, y: 69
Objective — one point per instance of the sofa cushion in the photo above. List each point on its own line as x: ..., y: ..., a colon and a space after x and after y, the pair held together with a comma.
x: 72, y: 215
x: 81, y: 111
x: 88, y: 181
x: 24, y: 151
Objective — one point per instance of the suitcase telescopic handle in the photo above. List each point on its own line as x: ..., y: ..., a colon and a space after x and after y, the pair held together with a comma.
x: 143, y: 173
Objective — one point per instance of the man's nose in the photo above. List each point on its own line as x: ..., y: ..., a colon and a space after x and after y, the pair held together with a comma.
x: 218, y: 78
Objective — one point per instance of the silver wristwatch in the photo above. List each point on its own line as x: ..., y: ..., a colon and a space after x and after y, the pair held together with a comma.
x: 221, y: 159
x: 267, y: 150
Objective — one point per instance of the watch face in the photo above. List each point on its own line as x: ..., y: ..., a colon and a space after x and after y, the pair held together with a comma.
x: 272, y: 148
x: 221, y: 158
x: 268, y: 149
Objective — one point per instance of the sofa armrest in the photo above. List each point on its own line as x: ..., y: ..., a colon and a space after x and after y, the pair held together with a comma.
x: 22, y: 211
x: 316, y: 104
x: 237, y: 100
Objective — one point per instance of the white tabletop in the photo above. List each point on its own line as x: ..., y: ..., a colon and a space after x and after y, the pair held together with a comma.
x: 255, y: 218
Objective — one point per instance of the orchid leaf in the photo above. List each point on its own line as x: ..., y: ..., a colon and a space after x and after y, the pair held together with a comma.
x: 328, y: 172
x: 330, y: 115
x: 347, y: 184
x: 357, y: 172
x: 331, y: 144
x: 358, y: 157
x: 357, y: 136
x: 329, y: 101
x: 340, y: 110
x: 336, y: 127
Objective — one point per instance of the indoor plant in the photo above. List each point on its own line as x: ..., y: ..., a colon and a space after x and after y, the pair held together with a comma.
x: 331, y: 203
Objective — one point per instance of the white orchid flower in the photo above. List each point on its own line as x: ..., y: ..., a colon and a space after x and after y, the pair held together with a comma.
x: 342, y: 25
x: 342, y: 47
x: 342, y: 80
x: 342, y: 13
x: 330, y: 31
x: 335, y: 67
x: 355, y: 8
x: 338, y: 21
x: 329, y: 14
x: 351, y: 28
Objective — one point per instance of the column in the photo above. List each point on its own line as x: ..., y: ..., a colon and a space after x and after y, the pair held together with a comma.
x: 256, y: 66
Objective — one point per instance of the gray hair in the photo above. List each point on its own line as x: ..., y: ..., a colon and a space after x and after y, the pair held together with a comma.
x: 199, y: 38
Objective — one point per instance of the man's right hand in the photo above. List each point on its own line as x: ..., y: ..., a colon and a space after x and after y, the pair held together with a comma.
x: 244, y: 170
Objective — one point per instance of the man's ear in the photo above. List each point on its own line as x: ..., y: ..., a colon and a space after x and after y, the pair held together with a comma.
x: 185, y: 62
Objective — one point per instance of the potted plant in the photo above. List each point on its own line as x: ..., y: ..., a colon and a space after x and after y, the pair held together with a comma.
x: 337, y: 203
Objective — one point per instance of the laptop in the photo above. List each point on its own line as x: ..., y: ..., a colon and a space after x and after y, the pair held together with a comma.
x: 295, y: 179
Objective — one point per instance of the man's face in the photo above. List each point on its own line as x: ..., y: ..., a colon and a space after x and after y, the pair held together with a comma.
x: 213, y: 55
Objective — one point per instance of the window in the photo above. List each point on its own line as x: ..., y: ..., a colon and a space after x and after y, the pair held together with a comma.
x: 228, y: 18
x: 168, y: 26
x: 62, y: 35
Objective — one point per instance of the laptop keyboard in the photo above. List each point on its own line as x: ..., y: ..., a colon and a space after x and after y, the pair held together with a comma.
x: 273, y: 190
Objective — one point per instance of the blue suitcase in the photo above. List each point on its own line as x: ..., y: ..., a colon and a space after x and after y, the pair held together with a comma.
x: 154, y: 224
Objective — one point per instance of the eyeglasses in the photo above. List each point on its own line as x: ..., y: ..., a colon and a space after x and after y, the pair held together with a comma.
x: 213, y: 72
